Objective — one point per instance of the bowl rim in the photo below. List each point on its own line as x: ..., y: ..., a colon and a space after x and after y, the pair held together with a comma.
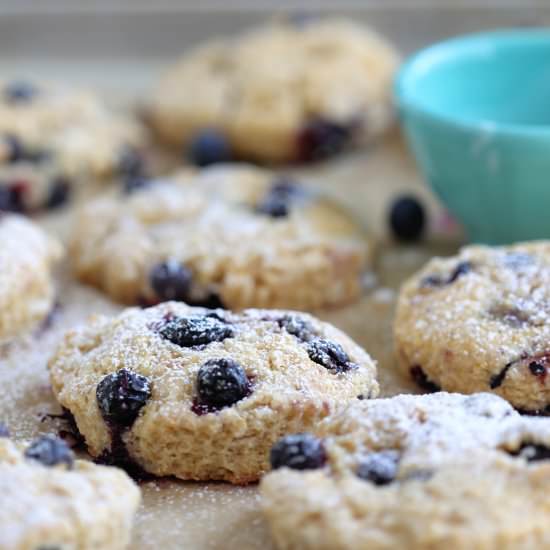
x: 445, y: 48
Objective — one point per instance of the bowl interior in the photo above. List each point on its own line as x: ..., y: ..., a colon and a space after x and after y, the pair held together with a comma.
x: 501, y: 77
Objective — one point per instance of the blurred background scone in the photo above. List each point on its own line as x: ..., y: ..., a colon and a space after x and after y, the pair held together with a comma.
x: 231, y: 235
x: 54, y: 138
x: 27, y: 257
x: 293, y: 90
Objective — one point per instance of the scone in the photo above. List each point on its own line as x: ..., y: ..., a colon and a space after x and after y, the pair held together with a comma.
x: 27, y: 256
x: 203, y: 394
x: 54, y: 138
x: 479, y: 322
x: 413, y: 472
x: 282, y: 92
x: 50, y: 500
x: 232, y: 236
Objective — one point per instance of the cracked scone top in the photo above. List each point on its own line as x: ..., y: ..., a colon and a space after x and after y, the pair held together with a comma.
x: 50, y: 500
x: 479, y: 321
x: 203, y: 394
x: 27, y: 256
x: 53, y: 138
x: 435, y: 471
x: 233, y: 236
x: 282, y: 92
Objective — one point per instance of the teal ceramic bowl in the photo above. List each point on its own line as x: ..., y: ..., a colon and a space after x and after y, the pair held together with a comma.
x: 476, y: 113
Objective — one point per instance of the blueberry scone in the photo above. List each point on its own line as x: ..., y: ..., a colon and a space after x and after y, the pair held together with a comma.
x: 200, y: 393
x: 413, y: 472
x: 27, y: 256
x: 53, y: 138
x: 231, y: 236
x: 282, y: 92
x: 50, y: 500
x: 479, y: 322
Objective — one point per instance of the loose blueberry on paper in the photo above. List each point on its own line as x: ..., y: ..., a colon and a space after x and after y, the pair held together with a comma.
x: 407, y: 219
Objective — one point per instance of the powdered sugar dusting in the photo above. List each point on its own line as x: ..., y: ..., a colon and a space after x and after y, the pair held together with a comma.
x: 429, y: 430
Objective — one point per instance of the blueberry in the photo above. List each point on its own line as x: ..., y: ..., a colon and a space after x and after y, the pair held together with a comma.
x: 379, y: 468
x: 11, y: 198
x: 299, y: 452
x: 278, y: 201
x: 221, y: 383
x: 497, y: 379
x: 195, y: 330
x: 16, y: 151
x: 130, y: 162
x: 537, y: 368
x: 50, y: 450
x: 170, y: 280
x: 295, y: 325
x: 60, y: 189
x: 20, y: 92
x: 321, y: 139
x: 432, y: 280
x: 135, y: 183
x: 7, y: 199
x: 4, y: 432
x: 275, y: 206
x: 462, y: 268
x: 421, y: 378
x: 121, y: 395
x: 532, y: 452
x: 537, y: 365
x: 208, y: 147
x: 329, y: 355
x: 407, y: 219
